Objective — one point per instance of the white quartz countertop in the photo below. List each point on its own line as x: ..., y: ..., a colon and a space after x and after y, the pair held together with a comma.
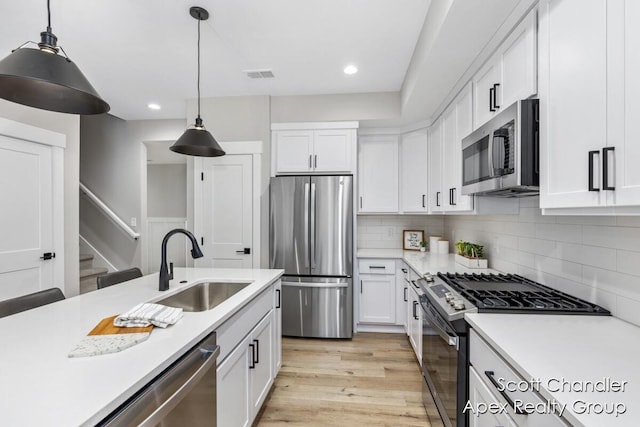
x: 576, y: 349
x: 423, y: 262
x: 40, y: 385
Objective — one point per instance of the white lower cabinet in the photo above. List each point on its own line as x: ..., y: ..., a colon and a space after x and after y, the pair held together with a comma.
x: 250, y: 356
x: 377, y: 291
x: 414, y: 315
x: 524, y: 406
x: 246, y: 375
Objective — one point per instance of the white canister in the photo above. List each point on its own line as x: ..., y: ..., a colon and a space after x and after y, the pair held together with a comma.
x: 443, y: 246
x: 433, y: 243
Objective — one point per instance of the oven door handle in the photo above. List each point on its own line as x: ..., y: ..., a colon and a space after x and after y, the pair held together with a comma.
x: 452, y: 340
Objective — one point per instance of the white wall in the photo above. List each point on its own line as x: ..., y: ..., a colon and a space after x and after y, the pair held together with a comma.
x: 595, y: 258
x: 385, y: 231
x: 68, y: 125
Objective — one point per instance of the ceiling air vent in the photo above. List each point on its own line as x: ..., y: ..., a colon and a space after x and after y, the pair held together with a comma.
x: 259, y: 74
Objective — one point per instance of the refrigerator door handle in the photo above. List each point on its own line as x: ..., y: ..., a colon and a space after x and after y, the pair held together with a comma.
x: 306, y: 224
x: 313, y: 225
x: 315, y: 284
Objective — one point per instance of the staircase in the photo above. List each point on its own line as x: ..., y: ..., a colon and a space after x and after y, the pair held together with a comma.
x: 89, y: 274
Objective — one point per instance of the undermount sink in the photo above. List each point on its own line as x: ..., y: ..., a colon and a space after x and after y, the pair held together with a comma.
x: 204, y: 296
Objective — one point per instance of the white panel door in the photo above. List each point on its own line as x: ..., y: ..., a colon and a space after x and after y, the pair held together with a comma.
x: 519, y: 63
x: 227, y: 212
x: 233, y: 382
x: 573, y: 100
x: 464, y: 126
x: 377, y: 299
x: 485, y: 84
x: 262, y: 371
x: 26, y: 217
x: 436, y: 201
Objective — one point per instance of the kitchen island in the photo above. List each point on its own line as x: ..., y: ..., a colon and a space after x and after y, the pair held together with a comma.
x: 40, y: 385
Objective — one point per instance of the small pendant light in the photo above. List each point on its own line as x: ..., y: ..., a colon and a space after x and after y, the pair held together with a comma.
x: 43, y: 79
x: 196, y: 140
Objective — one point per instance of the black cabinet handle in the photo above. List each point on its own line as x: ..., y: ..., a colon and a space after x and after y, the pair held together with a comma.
x: 278, y: 298
x: 592, y: 154
x: 405, y: 295
x: 360, y: 286
x: 454, y: 196
x: 415, y: 285
x: 415, y: 313
x: 495, y: 96
x: 491, y: 96
x: 360, y: 202
x: 310, y: 161
x: 404, y: 270
x: 437, y: 198
x: 423, y: 205
x: 605, y: 168
x: 252, y: 362
x: 257, y: 354
x: 490, y: 375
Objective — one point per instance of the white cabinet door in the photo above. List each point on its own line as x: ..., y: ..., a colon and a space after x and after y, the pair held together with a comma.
x: 261, y: 345
x: 573, y: 101
x: 415, y: 329
x: 414, y: 172
x: 436, y: 158
x: 402, y: 294
x: 378, y: 174
x: 485, y: 83
x: 480, y: 397
x: 457, y: 123
x: 234, y: 408
x: 518, y: 59
x: 623, y: 49
x: 277, y: 313
x: 378, y: 298
x: 293, y: 150
x: 509, y: 75
x: 333, y: 150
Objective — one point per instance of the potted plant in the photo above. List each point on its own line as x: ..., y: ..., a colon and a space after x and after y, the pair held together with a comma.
x: 471, y: 255
x: 423, y: 245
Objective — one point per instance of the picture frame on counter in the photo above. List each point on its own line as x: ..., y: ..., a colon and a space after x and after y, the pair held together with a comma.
x: 411, y: 239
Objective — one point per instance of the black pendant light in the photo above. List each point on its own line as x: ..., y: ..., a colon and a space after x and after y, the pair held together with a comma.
x: 196, y: 140
x: 43, y: 79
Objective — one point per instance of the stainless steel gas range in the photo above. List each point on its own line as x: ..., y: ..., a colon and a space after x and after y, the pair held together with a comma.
x: 446, y: 298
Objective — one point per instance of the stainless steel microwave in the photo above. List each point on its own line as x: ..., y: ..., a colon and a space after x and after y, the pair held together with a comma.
x: 501, y: 158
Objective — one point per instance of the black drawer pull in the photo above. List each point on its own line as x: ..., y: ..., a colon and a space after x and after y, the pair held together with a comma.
x: 252, y: 362
x: 605, y: 168
x: 592, y: 154
x: 490, y: 375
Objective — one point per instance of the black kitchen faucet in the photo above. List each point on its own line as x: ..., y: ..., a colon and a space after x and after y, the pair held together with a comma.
x: 165, y: 275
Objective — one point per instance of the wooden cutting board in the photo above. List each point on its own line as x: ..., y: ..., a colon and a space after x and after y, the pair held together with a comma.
x: 106, y: 327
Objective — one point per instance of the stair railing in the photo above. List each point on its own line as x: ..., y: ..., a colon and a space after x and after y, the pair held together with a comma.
x: 108, y: 212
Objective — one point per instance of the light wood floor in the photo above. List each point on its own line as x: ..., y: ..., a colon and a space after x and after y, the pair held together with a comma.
x: 372, y: 380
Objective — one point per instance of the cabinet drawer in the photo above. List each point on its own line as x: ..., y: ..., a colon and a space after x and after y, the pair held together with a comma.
x: 377, y: 266
x: 522, y: 392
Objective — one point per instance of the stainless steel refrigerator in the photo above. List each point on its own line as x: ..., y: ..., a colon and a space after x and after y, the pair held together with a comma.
x: 311, y: 238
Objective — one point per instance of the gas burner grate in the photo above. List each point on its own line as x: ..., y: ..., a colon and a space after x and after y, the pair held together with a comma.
x: 510, y: 292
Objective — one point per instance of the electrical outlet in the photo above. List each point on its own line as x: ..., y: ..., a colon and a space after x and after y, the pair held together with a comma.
x: 133, y: 221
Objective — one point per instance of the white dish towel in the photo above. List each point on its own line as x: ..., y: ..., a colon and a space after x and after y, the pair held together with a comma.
x: 146, y: 314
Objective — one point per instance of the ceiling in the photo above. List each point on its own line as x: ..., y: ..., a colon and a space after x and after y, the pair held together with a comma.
x: 137, y: 52
x: 143, y: 51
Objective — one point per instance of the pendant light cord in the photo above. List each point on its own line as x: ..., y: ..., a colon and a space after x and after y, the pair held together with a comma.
x: 48, y: 16
x: 198, y: 66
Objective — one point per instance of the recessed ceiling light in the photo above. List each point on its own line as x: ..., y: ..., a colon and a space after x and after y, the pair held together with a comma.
x: 350, y: 69
x: 153, y: 106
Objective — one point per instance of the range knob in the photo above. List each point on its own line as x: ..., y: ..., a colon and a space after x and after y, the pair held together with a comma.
x: 457, y: 304
x: 449, y: 297
x: 428, y: 278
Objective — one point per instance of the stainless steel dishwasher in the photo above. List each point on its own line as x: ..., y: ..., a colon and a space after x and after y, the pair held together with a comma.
x: 184, y: 394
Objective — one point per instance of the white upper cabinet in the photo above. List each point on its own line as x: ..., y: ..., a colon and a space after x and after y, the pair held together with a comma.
x: 509, y: 75
x: 445, y: 156
x: 301, y: 148
x: 378, y: 174
x: 588, y: 91
x: 413, y: 172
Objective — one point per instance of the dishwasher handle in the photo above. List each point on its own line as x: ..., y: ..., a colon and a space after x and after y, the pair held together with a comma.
x: 167, y: 390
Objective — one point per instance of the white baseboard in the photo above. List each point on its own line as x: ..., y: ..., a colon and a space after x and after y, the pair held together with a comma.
x: 99, y: 260
x: 386, y: 329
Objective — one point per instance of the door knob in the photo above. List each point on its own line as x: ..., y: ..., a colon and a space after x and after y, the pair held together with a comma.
x: 245, y: 251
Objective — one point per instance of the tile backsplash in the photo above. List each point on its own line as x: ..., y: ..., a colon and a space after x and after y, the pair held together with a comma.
x: 593, y: 257
x: 385, y: 231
